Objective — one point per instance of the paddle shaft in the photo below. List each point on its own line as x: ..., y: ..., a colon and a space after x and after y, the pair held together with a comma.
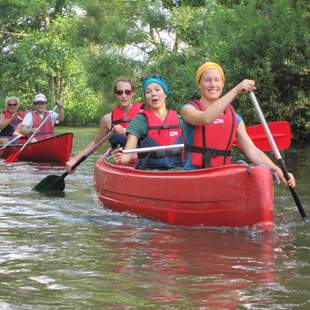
x: 10, y: 142
x: 277, y: 154
x: 89, y: 153
x: 153, y: 149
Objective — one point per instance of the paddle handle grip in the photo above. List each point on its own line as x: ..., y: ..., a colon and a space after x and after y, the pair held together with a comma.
x: 79, y: 161
x: 74, y: 166
x: 292, y: 190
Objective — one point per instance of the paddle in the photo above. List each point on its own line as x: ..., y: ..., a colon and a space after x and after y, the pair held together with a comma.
x: 56, y: 183
x: 11, y: 141
x: 153, y: 149
x: 281, y: 131
x: 277, y: 154
x: 15, y: 156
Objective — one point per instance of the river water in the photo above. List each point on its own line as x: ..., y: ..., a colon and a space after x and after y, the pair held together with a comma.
x: 70, y: 253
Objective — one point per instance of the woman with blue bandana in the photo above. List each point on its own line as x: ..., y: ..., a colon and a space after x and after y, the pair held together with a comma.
x: 155, y: 126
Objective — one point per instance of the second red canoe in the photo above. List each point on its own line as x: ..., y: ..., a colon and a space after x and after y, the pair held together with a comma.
x: 56, y: 150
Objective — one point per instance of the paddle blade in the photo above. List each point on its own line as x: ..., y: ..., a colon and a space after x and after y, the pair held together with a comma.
x: 51, y: 183
x: 281, y: 132
x: 12, y: 158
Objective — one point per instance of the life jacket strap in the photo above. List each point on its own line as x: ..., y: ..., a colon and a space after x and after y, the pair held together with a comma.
x: 163, y: 127
x: 207, y: 153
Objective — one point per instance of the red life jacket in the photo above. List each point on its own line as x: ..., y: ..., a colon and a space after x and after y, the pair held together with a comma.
x: 8, y: 115
x: 47, y: 130
x: 160, y: 132
x: 9, y: 129
x: 213, y: 142
x: 121, y: 118
x: 163, y: 132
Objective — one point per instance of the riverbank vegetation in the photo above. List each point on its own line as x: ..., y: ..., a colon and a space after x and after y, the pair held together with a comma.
x: 73, y: 49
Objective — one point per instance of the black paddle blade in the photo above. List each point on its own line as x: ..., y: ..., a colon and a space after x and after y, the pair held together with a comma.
x: 52, y: 183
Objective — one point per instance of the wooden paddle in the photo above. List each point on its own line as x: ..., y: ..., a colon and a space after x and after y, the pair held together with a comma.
x: 10, y: 142
x: 281, y: 131
x: 15, y: 157
x: 56, y: 183
x: 277, y: 154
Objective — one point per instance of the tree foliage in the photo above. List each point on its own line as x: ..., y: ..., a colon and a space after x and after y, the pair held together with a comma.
x: 73, y: 49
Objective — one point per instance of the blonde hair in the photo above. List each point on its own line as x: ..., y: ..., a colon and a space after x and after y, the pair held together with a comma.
x: 8, y: 99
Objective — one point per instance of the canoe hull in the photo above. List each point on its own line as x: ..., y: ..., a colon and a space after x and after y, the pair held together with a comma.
x: 232, y: 196
x: 56, y: 149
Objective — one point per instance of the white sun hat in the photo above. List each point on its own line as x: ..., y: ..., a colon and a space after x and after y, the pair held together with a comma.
x: 39, y: 97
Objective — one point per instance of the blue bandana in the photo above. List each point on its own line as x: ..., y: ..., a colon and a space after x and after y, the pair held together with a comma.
x: 157, y: 80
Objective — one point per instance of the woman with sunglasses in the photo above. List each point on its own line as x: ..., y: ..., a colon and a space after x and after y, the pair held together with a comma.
x: 155, y: 126
x: 211, y: 124
x: 123, y: 112
x: 33, y: 119
x: 9, y: 119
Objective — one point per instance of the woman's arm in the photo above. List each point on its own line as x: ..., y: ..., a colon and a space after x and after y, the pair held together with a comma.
x: 255, y: 155
x: 104, y: 129
x: 61, y: 114
x: 119, y: 157
x: 199, y: 118
x: 5, y: 121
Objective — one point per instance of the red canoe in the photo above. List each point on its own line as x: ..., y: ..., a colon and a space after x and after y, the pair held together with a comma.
x: 234, y: 195
x: 56, y: 149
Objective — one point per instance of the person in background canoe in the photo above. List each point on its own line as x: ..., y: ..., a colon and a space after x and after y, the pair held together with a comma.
x: 211, y: 124
x: 28, y: 108
x: 33, y: 120
x: 124, y: 111
x: 155, y: 126
x: 9, y: 119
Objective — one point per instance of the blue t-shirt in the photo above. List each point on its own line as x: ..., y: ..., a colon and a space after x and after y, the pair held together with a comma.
x: 189, y: 134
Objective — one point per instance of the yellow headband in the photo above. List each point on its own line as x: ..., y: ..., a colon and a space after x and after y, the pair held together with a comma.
x: 206, y: 66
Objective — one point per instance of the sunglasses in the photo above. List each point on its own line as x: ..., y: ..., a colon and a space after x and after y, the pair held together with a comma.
x: 12, y: 104
x: 40, y: 102
x: 126, y: 91
x: 153, y: 75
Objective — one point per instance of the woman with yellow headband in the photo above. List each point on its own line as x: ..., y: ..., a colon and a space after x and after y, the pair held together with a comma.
x: 211, y: 124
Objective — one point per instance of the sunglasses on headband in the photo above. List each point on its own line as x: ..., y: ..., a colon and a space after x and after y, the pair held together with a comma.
x: 126, y: 91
